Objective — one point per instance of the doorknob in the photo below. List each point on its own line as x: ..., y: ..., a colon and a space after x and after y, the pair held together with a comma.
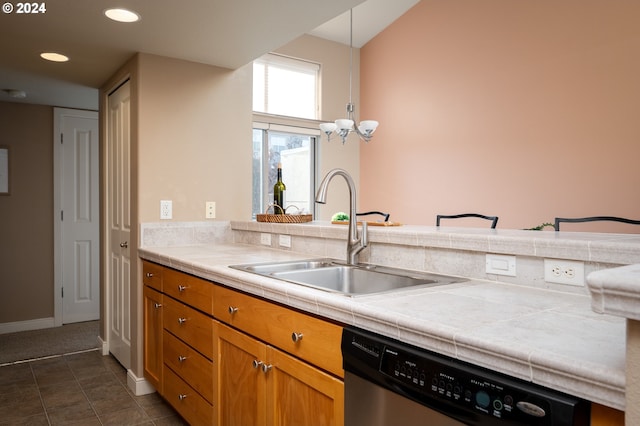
x: 124, y: 245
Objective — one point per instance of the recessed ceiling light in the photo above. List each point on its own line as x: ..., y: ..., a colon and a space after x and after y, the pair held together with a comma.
x: 122, y: 15
x: 54, y: 57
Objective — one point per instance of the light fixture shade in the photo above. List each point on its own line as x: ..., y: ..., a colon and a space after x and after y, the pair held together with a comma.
x: 328, y: 127
x: 344, y: 124
x: 368, y: 126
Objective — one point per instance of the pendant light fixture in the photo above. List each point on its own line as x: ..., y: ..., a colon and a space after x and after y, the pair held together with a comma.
x: 344, y: 126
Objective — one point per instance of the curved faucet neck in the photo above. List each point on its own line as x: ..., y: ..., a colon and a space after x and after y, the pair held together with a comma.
x: 354, y: 243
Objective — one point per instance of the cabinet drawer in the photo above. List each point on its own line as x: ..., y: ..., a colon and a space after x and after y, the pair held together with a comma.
x: 187, y: 363
x: 193, y: 407
x: 152, y: 275
x: 318, y: 341
x: 188, y: 289
x: 189, y: 325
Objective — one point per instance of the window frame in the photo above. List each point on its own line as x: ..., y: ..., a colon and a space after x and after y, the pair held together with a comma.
x: 266, y: 126
x: 288, y: 63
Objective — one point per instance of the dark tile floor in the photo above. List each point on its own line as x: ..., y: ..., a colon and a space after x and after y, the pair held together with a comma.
x: 79, y: 389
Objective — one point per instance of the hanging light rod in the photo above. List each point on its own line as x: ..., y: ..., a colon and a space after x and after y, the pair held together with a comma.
x: 344, y: 126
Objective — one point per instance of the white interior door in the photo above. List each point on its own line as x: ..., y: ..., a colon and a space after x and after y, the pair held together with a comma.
x: 77, y: 234
x: 118, y: 266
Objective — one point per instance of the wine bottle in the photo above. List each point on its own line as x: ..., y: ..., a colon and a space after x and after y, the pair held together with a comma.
x: 279, y: 190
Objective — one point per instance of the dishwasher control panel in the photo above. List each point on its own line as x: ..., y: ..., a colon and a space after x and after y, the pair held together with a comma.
x: 473, y: 394
x: 479, y: 393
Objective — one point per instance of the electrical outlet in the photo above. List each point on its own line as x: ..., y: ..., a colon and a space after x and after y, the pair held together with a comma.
x: 210, y: 212
x: 265, y: 239
x: 284, y: 241
x: 166, y: 209
x: 564, y: 272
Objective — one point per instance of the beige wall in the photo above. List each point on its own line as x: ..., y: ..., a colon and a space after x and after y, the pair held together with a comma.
x: 194, y: 139
x: 26, y: 216
x: 526, y: 110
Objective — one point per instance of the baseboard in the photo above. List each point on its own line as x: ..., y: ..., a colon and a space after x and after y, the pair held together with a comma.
x: 104, y: 346
x: 34, y: 324
x: 139, y: 385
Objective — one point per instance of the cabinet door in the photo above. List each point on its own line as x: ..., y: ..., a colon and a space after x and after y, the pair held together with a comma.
x: 241, y: 380
x: 153, y: 337
x: 300, y: 394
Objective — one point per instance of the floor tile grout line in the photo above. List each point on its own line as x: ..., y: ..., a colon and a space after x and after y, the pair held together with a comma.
x: 44, y: 407
x: 23, y: 361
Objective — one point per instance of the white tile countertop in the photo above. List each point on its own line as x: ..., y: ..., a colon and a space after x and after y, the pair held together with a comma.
x: 549, y: 337
x: 616, y: 291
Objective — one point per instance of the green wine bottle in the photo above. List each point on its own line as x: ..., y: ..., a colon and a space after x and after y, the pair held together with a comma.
x: 279, y: 190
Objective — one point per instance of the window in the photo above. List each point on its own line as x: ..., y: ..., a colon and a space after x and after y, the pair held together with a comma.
x: 286, y: 86
x: 295, y: 149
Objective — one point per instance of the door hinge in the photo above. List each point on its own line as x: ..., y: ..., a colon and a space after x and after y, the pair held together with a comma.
x: 62, y: 215
x: 62, y: 292
x: 61, y: 137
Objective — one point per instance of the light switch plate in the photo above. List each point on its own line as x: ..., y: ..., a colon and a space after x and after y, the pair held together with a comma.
x: 501, y: 265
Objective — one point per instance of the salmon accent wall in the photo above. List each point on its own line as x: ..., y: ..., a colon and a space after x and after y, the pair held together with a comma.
x: 525, y: 110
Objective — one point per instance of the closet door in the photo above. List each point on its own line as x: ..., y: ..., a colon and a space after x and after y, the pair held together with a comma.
x: 118, y: 173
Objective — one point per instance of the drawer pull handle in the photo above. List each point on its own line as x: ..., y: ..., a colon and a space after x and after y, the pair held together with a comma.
x: 149, y: 275
x: 256, y: 363
x: 232, y: 310
x: 182, y: 358
x: 296, y: 337
x: 266, y: 368
x: 157, y: 305
x: 181, y: 288
x: 182, y: 320
x: 182, y: 397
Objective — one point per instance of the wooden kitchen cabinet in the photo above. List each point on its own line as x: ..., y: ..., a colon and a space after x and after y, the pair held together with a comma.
x: 152, y: 312
x: 606, y: 416
x: 311, y: 339
x: 268, y: 365
x: 262, y: 385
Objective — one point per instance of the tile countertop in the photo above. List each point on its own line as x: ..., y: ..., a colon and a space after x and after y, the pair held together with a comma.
x: 547, y: 337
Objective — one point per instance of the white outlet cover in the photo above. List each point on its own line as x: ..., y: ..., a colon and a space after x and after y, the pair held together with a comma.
x: 501, y: 265
x: 562, y: 271
x: 284, y: 241
x: 265, y: 239
x: 166, y: 209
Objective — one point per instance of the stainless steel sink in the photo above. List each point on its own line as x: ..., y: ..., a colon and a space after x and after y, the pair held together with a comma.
x: 352, y: 280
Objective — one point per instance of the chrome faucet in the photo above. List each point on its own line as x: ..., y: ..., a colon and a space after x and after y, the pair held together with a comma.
x: 355, y: 244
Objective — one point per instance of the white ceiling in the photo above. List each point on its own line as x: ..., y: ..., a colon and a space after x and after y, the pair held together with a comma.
x: 226, y: 33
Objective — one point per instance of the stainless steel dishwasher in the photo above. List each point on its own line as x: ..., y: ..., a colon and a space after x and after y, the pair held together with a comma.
x: 390, y: 383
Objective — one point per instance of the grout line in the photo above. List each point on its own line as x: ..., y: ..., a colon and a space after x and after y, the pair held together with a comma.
x: 47, y: 357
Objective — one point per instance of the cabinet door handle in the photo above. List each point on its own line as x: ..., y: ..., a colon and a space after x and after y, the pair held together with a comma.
x: 232, y: 310
x: 182, y: 397
x: 266, y: 368
x: 124, y: 245
x: 157, y: 305
x: 149, y: 275
x: 182, y: 320
x: 181, y: 288
x: 256, y: 363
x: 296, y: 337
x: 182, y: 358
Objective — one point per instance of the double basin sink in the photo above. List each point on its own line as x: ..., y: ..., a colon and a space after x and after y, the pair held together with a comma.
x: 351, y: 280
